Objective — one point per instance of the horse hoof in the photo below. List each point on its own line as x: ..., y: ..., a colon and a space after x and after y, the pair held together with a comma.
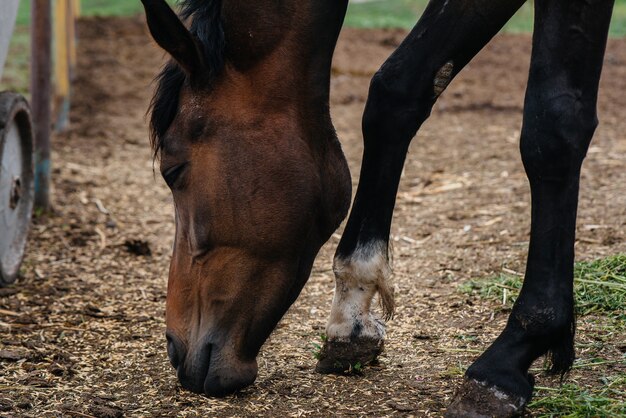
x: 476, y: 399
x: 347, y: 356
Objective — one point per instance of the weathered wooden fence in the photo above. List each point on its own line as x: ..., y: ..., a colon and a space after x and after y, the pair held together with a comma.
x: 53, y: 63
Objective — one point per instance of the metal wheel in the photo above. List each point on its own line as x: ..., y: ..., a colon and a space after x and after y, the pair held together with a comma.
x: 16, y: 182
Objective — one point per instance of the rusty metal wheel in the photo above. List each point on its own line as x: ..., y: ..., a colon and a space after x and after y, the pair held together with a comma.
x: 16, y: 183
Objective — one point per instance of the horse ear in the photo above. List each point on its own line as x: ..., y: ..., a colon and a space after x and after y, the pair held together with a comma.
x: 171, y: 35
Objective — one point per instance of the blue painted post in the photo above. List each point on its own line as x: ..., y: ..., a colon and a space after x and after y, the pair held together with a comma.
x: 40, y: 88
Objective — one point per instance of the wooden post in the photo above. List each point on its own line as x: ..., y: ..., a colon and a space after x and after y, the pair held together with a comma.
x: 41, y: 66
x: 61, y: 64
x: 74, y: 10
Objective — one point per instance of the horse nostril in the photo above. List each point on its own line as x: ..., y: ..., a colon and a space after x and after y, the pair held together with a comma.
x: 192, y: 365
x: 175, y: 349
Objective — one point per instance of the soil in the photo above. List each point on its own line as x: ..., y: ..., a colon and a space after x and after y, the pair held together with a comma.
x: 82, y: 331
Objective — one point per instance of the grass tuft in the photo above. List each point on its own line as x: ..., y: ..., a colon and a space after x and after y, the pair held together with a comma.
x: 599, y: 287
x: 571, y: 400
x: 316, y: 348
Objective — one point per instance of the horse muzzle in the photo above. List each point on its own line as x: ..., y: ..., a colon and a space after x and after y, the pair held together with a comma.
x: 208, y: 368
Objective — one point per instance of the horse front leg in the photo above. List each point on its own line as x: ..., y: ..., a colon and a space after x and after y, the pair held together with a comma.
x: 559, y: 122
x: 401, y: 96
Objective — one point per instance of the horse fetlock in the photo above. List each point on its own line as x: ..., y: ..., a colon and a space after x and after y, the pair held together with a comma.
x: 554, y: 330
x: 360, y: 276
x: 544, y: 320
x: 478, y: 399
x: 361, y: 325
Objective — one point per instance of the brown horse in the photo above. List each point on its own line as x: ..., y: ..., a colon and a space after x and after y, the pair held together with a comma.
x: 240, y: 122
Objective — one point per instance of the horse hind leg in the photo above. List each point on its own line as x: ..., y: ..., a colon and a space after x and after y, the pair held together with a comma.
x: 559, y: 122
x: 401, y: 96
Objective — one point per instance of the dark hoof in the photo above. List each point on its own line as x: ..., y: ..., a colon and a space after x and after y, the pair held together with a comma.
x: 475, y: 399
x: 348, y: 356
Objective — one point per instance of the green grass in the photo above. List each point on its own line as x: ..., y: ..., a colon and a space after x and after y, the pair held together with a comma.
x: 599, y: 287
x: 405, y: 13
x: 572, y: 400
x: 15, y: 75
x: 113, y: 7
x: 316, y: 348
x: 385, y: 14
x: 92, y: 8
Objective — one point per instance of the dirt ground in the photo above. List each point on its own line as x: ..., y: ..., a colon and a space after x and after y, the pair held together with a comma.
x: 82, y: 331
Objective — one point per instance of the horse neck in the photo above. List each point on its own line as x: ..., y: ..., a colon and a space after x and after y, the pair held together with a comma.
x: 285, y: 44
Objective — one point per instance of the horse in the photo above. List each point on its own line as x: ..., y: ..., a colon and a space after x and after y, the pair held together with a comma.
x: 241, y: 127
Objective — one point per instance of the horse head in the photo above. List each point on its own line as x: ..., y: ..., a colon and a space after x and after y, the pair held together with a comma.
x: 241, y: 128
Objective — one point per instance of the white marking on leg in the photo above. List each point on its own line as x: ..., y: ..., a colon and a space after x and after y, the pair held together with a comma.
x: 358, y: 278
x: 514, y: 402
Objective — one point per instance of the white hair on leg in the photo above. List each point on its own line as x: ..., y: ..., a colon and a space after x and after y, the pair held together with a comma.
x: 358, y: 278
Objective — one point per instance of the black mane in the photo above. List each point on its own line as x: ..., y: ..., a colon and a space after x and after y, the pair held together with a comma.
x: 206, y: 27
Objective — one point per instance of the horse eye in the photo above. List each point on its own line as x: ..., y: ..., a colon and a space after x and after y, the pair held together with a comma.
x: 173, y: 173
